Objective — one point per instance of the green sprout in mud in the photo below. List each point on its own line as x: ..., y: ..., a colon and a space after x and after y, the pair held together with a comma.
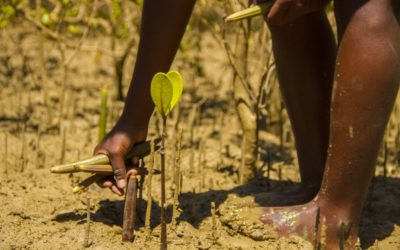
x: 166, y: 89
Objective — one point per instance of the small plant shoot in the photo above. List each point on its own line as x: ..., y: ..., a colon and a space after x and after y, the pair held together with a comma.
x: 166, y: 90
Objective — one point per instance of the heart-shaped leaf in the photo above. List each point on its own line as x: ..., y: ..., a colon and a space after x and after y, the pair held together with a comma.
x: 177, y: 86
x: 166, y: 90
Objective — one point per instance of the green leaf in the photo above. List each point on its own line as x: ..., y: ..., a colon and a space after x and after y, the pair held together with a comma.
x: 166, y: 89
x: 161, y: 93
x: 177, y: 84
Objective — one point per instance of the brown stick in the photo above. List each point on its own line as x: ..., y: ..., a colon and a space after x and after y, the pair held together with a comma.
x: 130, y: 210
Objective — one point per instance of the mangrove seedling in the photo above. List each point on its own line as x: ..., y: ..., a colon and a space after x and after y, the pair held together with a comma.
x: 256, y: 10
x: 165, y: 90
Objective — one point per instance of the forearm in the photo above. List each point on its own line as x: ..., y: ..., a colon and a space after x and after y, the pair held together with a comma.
x: 163, y: 25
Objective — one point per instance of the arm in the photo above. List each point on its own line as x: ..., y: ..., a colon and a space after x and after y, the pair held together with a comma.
x: 163, y: 25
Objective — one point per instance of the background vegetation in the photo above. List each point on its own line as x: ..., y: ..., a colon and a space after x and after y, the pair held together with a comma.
x: 55, y: 57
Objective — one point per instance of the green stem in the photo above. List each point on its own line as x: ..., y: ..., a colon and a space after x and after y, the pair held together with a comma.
x: 163, y: 218
x: 103, y: 114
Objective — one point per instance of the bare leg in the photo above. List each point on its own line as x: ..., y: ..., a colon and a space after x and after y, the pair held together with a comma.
x: 305, y: 52
x: 366, y: 83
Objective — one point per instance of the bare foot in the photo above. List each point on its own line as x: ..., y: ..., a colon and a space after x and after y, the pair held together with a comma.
x: 319, y: 223
x: 293, y: 196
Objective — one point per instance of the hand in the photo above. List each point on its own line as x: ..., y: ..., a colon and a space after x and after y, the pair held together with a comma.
x: 116, y: 145
x: 284, y: 11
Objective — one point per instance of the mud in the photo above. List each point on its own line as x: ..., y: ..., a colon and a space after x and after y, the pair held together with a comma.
x: 38, y: 210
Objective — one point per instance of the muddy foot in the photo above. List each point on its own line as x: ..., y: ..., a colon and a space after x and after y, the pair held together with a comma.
x: 316, y: 223
x: 245, y: 220
x: 294, y: 196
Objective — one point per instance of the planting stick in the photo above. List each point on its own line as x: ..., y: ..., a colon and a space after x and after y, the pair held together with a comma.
x: 177, y: 172
x: 140, y: 150
x: 256, y: 10
x: 149, y: 199
x: 103, y: 113
x: 163, y: 218
x: 130, y: 209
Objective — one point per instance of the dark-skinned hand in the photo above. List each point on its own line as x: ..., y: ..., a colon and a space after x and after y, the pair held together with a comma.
x: 117, y: 143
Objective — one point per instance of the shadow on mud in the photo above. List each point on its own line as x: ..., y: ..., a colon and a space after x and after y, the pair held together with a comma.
x: 381, y: 211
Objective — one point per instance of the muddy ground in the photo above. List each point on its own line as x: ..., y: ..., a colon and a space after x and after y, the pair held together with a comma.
x: 39, y: 211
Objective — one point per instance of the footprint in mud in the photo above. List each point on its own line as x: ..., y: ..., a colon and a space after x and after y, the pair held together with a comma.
x: 245, y: 220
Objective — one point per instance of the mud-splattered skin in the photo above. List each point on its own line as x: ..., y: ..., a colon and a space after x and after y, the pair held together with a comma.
x: 318, y: 225
x: 338, y: 128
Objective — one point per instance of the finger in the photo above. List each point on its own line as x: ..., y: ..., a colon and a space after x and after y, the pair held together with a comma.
x: 277, y: 14
x: 99, y: 149
x: 137, y: 171
x: 116, y: 190
x: 106, y: 182
x: 119, y: 169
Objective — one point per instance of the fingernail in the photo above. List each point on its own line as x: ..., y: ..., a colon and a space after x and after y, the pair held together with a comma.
x: 121, y: 183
